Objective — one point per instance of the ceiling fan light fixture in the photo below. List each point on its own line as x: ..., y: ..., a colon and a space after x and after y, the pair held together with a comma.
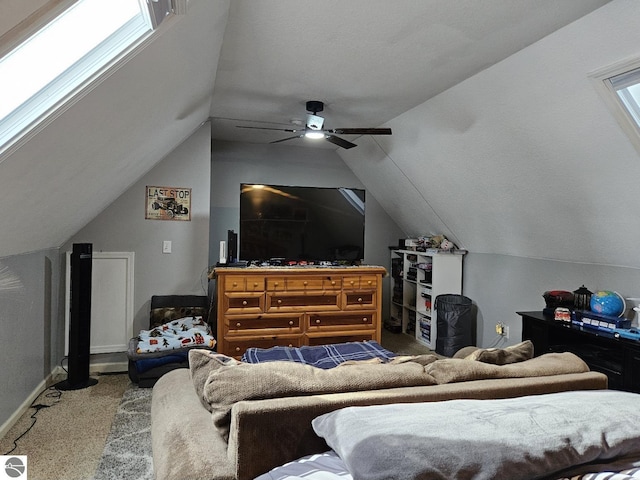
x: 314, y: 134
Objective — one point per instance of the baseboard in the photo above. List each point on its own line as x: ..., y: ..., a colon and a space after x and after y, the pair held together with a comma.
x: 109, y: 367
x: 24, y: 406
x: 96, y: 368
x: 55, y: 376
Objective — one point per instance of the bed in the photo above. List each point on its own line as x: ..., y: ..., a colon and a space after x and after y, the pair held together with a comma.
x: 587, y: 435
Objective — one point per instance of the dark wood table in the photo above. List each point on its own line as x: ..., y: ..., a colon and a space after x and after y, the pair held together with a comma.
x: 618, y: 358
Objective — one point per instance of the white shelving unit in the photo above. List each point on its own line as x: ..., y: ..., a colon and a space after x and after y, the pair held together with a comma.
x: 417, y: 278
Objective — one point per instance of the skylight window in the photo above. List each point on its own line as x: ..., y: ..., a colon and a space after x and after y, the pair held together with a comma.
x: 620, y: 88
x: 627, y: 87
x: 43, y: 72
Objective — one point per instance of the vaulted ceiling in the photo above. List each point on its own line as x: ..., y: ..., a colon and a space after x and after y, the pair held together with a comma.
x: 368, y: 61
x: 497, y: 129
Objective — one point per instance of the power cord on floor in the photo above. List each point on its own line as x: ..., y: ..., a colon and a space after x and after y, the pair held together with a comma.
x: 54, y: 393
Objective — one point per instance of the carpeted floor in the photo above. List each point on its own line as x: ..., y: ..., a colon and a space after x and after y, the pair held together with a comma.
x: 127, y: 452
x: 68, y: 436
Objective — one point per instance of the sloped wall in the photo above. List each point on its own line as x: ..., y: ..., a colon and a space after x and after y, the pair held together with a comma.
x: 122, y: 227
x: 524, y: 166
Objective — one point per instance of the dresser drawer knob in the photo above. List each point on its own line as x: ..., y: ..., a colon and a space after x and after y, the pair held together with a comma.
x: 305, y: 283
x: 279, y: 302
x: 365, y: 319
x: 237, y: 349
x: 291, y: 322
x: 235, y: 284
x: 333, y: 282
x: 369, y: 282
x: 352, y: 282
x: 317, y: 320
x: 238, y: 324
x: 275, y: 284
x: 244, y: 303
x: 255, y: 284
x: 359, y: 299
x: 290, y: 345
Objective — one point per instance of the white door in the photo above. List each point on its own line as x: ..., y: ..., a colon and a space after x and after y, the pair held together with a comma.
x: 111, y: 301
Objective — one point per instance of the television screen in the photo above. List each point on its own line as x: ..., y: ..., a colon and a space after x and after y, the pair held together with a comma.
x: 301, y: 224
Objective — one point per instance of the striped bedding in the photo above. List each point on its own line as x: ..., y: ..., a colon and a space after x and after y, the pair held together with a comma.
x: 321, y: 356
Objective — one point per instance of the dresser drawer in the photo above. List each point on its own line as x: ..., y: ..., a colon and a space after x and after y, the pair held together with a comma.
x: 235, y: 346
x: 318, y: 321
x: 276, y: 284
x: 303, y: 284
x: 359, y: 299
x: 242, y: 302
x: 237, y: 283
x: 360, y: 281
x: 264, y: 324
x: 300, y: 302
x: 323, y: 339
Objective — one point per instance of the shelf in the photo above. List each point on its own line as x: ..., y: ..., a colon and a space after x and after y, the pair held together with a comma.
x: 425, y: 275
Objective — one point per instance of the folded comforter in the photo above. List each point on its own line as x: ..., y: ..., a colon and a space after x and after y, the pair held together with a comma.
x: 181, y: 333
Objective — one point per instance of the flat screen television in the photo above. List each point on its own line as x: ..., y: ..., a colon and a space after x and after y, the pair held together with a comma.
x: 290, y: 224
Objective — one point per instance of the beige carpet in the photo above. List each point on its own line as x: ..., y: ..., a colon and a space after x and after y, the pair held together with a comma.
x: 68, y: 438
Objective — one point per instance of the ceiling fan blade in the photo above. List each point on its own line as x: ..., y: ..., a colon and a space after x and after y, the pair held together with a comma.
x: 269, y: 128
x: 288, y: 138
x: 339, y: 141
x: 361, y: 131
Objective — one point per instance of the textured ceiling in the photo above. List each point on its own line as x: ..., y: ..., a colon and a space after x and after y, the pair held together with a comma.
x: 368, y: 60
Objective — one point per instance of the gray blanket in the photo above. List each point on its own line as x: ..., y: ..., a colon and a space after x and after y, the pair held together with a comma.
x: 527, y: 438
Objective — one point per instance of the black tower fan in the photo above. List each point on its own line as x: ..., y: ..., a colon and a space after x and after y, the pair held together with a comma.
x: 80, y: 319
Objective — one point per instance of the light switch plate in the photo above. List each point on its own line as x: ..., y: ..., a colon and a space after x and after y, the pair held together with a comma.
x: 166, y: 246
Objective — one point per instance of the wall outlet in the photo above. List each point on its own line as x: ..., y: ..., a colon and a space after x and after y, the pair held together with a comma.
x: 502, y: 330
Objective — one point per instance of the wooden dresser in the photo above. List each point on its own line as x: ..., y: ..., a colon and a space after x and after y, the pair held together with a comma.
x: 294, y: 306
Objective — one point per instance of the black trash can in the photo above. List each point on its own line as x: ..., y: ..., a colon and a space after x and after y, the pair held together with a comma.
x: 453, y: 313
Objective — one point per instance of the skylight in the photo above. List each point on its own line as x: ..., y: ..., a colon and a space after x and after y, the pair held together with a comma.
x: 44, y: 71
x: 620, y: 88
x: 627, y: 87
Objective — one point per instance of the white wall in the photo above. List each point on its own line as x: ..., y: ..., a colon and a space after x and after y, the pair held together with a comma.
x: 523, y: 165
x: 122, y: 227
x: 501, y: 285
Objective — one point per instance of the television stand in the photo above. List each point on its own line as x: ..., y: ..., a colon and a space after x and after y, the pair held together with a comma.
x: 617, y: 358
x: 294, y: 306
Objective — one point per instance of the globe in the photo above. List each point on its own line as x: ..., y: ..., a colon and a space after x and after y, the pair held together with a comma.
x: 607, y: 303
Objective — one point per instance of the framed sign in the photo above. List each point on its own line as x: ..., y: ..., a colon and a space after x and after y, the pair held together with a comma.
x: 168, y: 203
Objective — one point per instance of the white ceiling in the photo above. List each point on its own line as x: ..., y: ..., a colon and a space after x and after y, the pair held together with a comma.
x: 368, y: 60
x: 258, y: 62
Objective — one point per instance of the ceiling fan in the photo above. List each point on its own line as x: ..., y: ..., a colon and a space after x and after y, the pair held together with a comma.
x: 314, y: 128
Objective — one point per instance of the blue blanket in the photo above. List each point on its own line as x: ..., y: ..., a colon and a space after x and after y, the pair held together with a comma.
x: 321, y: 356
